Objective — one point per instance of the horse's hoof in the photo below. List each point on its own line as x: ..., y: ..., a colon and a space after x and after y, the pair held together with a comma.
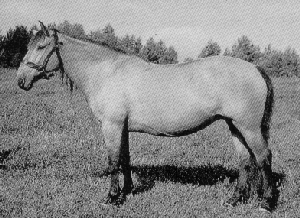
x: 232, y: 202
x: 264, y: 210
x: 265, y: 207
x: 228, y: 204
x: 115, y: 200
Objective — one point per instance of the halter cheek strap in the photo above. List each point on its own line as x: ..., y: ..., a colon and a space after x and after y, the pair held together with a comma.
x: 42, y: 67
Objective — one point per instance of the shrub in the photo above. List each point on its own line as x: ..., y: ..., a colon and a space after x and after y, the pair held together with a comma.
x: 245, y: 50
x: 13, y: 46
x: 278, y: 63
x: 211, y: 49
x: 73, y: 30
x: 158, y: 53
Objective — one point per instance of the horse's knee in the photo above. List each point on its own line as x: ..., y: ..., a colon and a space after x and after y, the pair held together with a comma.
x: 262, y: 154
x: 112, y: 136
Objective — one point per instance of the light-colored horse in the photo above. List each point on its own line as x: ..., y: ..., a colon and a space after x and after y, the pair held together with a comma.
x: 128, y: 94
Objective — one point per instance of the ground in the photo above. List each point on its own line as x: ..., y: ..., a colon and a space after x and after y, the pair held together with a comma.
x: 52, y: 152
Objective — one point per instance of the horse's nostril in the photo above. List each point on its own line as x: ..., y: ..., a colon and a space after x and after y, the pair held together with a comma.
x: 21, y: 82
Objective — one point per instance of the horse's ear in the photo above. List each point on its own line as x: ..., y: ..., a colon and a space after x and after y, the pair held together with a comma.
x: 34, y: 32
x: 44, y: 29
x: 52, y: 32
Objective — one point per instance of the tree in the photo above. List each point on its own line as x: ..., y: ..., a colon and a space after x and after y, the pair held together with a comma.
x: 169, y: 57
x: 211, y: 49
x: 130, y: 45
x: 158, y: 53
x: 138, y: 46
x: 160, y: 50
x: 278, y: 63
x: 227, y: 52
x: 291, y: 61
x: 73, y: 30
x: 1, y: 45
x: 106, y: 36
x: 124, y: 44
x: 14, y: 46
x: 109, y: 35
x: 245, y: 50
x: 149, y: 51
x: 188, y: 59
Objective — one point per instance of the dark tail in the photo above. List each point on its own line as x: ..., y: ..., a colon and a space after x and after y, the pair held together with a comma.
x: 266, y: 119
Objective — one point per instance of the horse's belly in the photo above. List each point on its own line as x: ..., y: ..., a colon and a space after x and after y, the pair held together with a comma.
x: 170, y: 105
x: 170, y: 120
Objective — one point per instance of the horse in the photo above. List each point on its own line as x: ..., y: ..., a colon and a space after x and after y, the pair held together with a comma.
x: 128, y: 94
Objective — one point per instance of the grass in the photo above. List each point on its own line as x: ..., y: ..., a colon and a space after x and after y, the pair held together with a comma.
x: 52, y: 150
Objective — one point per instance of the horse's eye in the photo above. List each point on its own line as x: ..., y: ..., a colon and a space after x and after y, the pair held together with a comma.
x: 41, y: 47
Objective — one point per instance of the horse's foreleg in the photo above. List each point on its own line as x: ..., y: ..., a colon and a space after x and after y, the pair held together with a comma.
x: 115, y: 137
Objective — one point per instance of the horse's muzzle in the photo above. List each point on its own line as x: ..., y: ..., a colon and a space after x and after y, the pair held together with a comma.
x: 21, y: 84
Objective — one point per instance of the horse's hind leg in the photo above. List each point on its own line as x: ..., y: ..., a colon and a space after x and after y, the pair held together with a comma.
x: 263, y: 158
x: 255, y: 166
x: 125, y: 161
x: 247, y: 168
x: 116, y: 141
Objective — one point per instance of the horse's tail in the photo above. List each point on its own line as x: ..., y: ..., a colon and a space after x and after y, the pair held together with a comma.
x: 266, y: 119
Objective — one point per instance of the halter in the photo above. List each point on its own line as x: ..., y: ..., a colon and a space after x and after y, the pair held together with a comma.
x: 42, y: 67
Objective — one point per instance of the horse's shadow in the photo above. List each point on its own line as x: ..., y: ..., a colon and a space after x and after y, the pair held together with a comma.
x: 195, y: 175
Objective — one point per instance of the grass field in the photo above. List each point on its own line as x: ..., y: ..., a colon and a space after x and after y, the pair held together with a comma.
x: 52, y: 151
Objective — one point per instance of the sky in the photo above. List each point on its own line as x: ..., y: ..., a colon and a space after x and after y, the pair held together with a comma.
x: 187, y: 25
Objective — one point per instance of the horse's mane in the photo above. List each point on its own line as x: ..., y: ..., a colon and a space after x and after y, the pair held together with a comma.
x: 93, y: 41
x: 96, y: 42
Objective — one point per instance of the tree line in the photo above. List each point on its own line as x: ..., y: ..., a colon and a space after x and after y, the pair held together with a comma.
x: 13, y: 47
x: 275, y: 62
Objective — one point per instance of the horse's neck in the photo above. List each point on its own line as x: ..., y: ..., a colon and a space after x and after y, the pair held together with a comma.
x: 79, y: 57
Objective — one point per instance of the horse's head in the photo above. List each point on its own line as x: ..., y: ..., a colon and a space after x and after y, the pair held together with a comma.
x: 40, y: 50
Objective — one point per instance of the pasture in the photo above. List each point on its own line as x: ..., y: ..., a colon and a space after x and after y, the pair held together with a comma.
x: 52, y: 151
